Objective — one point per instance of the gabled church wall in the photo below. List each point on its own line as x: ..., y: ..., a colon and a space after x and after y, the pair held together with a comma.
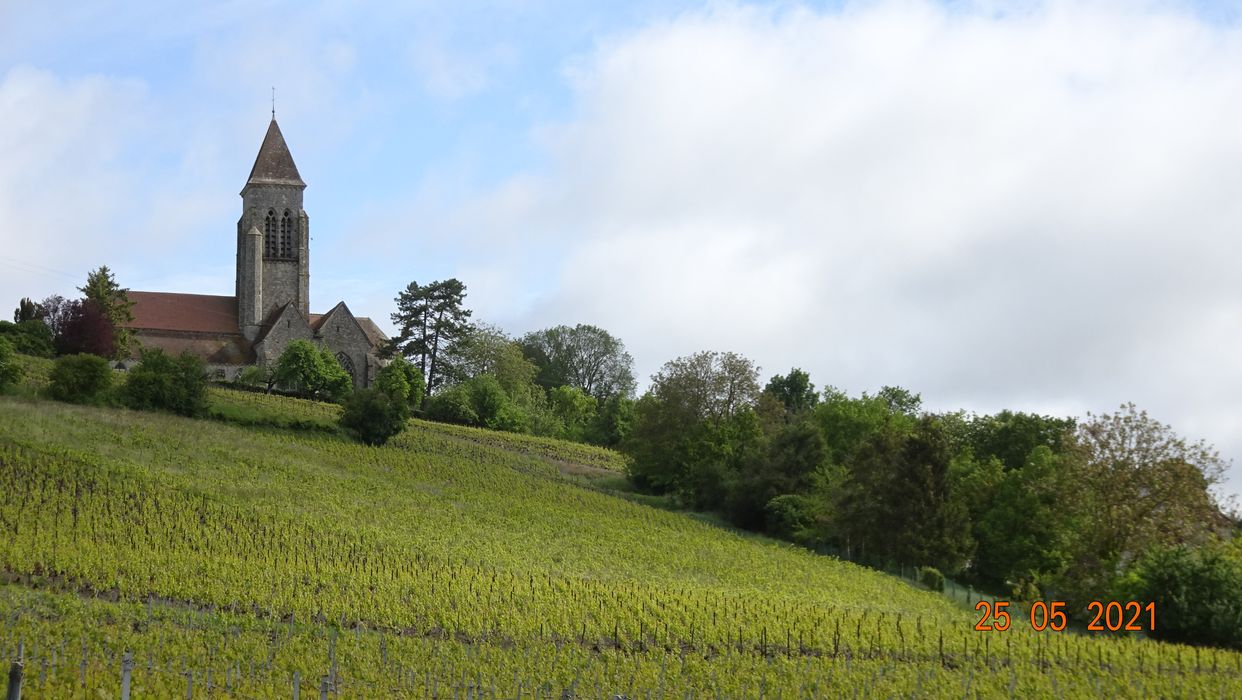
x: 340, y: 334
x: 286, y: 329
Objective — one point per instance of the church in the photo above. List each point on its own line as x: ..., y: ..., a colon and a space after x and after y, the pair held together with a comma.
x: 271, y: 304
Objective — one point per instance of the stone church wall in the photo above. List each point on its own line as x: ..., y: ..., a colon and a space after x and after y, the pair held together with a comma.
x: 287, y: 328
x: 340, y: 334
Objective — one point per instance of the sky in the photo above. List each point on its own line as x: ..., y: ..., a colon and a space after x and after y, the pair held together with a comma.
x: 1023, y: 205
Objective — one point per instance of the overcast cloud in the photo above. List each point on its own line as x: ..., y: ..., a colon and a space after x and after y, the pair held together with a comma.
x: 1037, y: 211
x: 1033, y: 208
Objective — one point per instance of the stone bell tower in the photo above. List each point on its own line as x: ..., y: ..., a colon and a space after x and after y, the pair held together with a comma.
x: 273, y: 233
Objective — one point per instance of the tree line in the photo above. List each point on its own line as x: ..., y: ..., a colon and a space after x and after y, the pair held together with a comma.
x: 1025, y: 505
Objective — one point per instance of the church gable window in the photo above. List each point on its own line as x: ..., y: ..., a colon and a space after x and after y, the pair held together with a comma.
x: 270, y: 235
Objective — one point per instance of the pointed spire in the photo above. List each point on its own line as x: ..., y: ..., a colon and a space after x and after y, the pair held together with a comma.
x: 274, y: 164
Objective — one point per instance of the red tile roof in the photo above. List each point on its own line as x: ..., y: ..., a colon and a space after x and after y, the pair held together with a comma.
x: 199, y: 313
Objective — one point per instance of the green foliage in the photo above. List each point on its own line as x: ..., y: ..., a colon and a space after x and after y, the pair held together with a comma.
x: 27, y: 310
x: 794, y: 390
x: 784, y: 467
x: 612, y: 423
x: 1010, y: 436
x: 80, y: 378
x: 789, y: 516
x: 695, y: 425
x: 375, y: 415
x: 1147, y: 487
x: 30, y: 337
x: 256, y: 377
x: 254, y: 409
x: 575, y: 409
x: 431, y: 319
x: 401, y: 379
x: 584, y: 357
x: 1027, y: 520
x: 900, y: 502
x: 312, y: 372
x: 931, y: 578
x: 101, y: 288
x: 487, y: 350
x: 453, y: 405
x: 1197, y: 592
x: 165, y: 383
x: 495, y: 572
x: 10, y: 370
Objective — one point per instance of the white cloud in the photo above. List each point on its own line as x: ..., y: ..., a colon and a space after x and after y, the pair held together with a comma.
x: 1033, y: 210
x: 62, y: 194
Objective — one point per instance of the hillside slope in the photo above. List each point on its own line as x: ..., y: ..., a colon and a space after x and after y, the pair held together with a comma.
x: 209, y: 548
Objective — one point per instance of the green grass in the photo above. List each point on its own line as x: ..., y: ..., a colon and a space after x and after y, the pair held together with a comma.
x: 255, y: 409
x: 442, y: 563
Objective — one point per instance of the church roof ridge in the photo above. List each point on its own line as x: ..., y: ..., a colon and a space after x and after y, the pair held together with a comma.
x: 274, y: 165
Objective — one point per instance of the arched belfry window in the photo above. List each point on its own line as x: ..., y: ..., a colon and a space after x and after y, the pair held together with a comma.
x: 287, y: 228
x: 346, y: 364
x: 270, y: 235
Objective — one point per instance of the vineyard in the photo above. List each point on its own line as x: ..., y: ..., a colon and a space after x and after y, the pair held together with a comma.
x: 248, y: 408
x: 202, y: 557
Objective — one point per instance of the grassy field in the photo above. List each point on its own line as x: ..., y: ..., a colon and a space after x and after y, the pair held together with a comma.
x: 454, y: 563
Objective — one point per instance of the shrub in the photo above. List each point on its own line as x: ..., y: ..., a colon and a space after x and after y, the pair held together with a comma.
x: 931, y: 578
x: 452, y: 405
x: 80, y: 378
x: 28, y: 337
x: 400, y: 378
x: 1198, y: 593
x: 314, y: 372
x: 162, y: 382
x: 374, y: 416
x: 10, y: 371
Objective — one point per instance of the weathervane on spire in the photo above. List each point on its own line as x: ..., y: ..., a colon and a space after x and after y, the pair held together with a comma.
x: 273, y: 103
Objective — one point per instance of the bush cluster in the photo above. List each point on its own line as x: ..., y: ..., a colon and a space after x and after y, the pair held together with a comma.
x: 165, y: 383
x: 80, y: 378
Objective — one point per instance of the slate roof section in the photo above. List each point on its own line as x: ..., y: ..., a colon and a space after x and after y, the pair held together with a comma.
x: 274, y: 165
x: 196, y: 313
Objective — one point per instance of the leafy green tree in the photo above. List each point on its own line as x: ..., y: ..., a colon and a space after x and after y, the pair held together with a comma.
x: 1197, y: 592
x: 583, y: 356
x: 847, y: 423
x: 784, y: 468
x: 374, y: 415
x: 1148, y: 487
x: 166, y: 383
x: 486, y: 349
x: 899, y: 500
x: 695, y: 425
x: 431, y: 319
x: 400, y: 379
x: 113, y: 300
x: 313, y: 372
x: 1011, y: 436
x: 612, y: 423
x: 80, y: 378
x: 452, y: 405
x: 27, y: 310
x: 574, y: 408
x: 1026, y: 521
x: 10, y: 371
x: 794, y: 390
x: 31, y: 337
x: 255, y: 376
